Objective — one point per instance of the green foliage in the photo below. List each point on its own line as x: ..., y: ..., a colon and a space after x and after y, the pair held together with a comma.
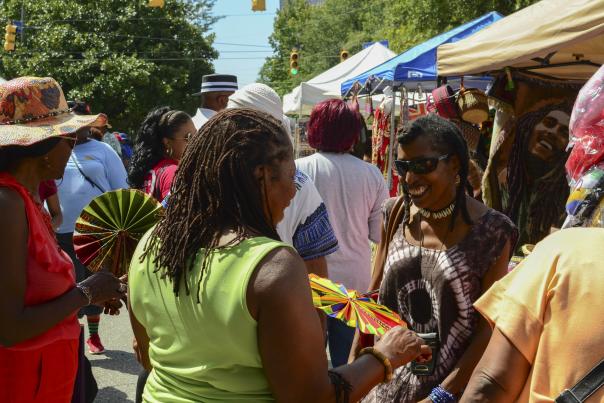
x: 122, y: 57
x: 320, y: 32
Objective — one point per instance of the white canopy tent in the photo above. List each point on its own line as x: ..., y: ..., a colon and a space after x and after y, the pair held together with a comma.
x: 327, y: 84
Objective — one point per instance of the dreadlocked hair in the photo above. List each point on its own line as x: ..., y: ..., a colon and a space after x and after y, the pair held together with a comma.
x: 215, y: 190
x: 160, y: 123
x: 543, y: 210
x: 444, y: 137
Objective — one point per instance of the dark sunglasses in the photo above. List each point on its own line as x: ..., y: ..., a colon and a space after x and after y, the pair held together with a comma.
x: 420, y: 166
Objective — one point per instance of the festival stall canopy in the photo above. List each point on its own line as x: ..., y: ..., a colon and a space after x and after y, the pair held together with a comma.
x: 418, y: 64
x: 327, y: 84
x: 561, y: 39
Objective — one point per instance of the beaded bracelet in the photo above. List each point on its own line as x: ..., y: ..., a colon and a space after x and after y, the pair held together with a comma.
x: 388, y: 372
x: 440, y: 395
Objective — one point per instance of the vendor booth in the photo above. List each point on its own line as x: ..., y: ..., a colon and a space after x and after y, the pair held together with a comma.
x: 540, y: 57
x: 416, y: 66
x: 327, y: 84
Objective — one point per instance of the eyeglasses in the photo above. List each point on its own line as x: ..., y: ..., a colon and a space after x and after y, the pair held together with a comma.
x: 186, y: 137
x: 420, y: 166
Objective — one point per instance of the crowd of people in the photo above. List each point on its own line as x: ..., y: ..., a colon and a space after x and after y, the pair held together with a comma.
x: 218, y: 293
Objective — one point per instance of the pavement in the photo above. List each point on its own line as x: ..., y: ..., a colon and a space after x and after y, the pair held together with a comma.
x: 116, y: 371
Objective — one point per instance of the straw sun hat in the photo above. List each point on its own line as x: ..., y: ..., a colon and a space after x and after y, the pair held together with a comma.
x: 33, y: 109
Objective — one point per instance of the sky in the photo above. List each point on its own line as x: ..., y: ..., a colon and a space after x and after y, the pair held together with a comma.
x: 240, y: 27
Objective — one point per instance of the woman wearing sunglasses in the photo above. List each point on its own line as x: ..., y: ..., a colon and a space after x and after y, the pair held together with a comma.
x: 446, y: 252
x: 160, y: 144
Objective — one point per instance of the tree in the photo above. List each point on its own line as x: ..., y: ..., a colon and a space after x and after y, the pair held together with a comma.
x: 321, y: 31
x: 121, y: 56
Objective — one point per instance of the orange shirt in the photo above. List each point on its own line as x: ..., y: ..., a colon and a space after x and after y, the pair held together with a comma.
x: 551, y: 307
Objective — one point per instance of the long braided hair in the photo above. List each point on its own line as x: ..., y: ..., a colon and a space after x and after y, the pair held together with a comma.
x: 149, y: 148
x: 543, y: 209
x: 445, y: 137
x: 215, y: 190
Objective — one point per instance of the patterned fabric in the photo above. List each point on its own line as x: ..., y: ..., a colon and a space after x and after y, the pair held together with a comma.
x: 315, y: 238
x: 436, y: 293
x: 306, y: 224
x: 33, y: 109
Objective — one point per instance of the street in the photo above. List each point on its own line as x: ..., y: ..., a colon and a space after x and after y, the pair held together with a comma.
x: 116, y: 370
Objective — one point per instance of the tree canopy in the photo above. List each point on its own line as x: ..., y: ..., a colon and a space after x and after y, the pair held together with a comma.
x: 121, y: 56
x: 320, y: 32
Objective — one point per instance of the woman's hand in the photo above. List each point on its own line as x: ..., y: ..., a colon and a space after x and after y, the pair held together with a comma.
x: 104, y: 286
x: 112, y: 307
x: 400, y: 345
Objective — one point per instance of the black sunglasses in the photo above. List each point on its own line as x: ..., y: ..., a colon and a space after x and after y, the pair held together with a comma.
x: 420, y: 166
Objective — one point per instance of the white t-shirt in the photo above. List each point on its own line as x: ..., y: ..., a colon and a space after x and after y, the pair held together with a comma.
x: 353, y: 192
x: 305, y: 224
x: 202, y: 116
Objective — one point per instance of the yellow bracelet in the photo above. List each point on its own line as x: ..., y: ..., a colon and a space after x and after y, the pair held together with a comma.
x: 388, y: 372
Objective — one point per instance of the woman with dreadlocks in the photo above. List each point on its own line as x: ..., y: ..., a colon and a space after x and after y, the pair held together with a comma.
x: 441, y: 252
x: 221, y: 308
x: 536, y: 181
x: 160, y: 144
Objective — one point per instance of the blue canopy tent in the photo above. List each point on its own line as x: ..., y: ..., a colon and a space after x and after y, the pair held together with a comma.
x: 417, y: 66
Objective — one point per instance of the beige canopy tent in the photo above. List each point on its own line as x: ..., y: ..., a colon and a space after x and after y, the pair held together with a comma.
x: 561, y: 39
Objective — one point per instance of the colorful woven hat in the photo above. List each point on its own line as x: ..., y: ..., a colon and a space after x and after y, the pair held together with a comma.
x: 33, y: 109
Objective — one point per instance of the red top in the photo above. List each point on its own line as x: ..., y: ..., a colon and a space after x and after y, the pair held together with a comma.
x: 159, y: 179
x: 46, y: 189
x: 49, y: 270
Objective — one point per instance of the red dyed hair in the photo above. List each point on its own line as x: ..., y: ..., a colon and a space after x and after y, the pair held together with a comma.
x: 334, y: 126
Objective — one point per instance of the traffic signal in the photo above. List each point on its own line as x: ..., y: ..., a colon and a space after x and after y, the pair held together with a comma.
x: 294, y: 67
x: 10, y: 37
x: 344, y: 55
x: 258, y: 5
x: 156, y: 3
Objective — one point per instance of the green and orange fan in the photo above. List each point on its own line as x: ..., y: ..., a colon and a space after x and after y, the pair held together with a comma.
x: 110, y: 227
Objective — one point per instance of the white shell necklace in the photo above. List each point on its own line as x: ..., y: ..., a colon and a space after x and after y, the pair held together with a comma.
x: 444, y: 213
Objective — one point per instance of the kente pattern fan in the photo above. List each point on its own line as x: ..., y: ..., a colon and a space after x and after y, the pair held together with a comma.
x: 110, y: 227
x: 356, y: 310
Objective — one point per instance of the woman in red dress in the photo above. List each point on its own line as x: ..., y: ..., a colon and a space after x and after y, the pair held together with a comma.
x: 39, y: 298
x: 160, y: 143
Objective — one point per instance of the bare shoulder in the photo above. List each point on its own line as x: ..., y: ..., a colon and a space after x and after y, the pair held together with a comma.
x: 10, y: 203
x: 280, y: 268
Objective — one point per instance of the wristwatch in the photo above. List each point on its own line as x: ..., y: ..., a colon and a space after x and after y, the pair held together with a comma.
x: 86, y: 291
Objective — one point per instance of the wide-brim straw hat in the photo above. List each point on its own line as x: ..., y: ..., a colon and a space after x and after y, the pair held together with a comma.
x: 33, y: 109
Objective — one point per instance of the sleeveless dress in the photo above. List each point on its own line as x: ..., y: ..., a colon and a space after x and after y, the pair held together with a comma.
x: 43, y: 368
x: 436, y: 293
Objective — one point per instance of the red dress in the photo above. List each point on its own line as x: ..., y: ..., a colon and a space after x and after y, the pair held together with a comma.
x: 43, y: 368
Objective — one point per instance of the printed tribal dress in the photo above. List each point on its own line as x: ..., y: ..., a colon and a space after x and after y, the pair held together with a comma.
x: 436, y: 294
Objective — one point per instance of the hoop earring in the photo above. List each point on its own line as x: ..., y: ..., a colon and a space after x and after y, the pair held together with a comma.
x: 457, y: 180
x: 170, y: 152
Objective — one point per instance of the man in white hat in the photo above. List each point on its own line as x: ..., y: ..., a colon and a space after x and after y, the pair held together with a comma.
x: 215, y: 92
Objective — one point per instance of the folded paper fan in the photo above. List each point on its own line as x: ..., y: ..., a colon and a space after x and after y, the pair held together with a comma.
x: 356, y: 310
x: 110, y: 227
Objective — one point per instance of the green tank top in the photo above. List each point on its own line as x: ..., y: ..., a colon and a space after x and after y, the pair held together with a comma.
x: 207, y: 351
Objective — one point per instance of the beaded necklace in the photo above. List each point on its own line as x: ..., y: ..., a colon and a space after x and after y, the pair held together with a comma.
x: 446, y: 212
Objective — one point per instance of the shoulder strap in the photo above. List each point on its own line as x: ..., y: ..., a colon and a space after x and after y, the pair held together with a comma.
x: 75, y: 161
x: 392, y: 223
x: 586, y: 387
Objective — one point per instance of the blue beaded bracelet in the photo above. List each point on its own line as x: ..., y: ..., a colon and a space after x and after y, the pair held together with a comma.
x: 440, y: 395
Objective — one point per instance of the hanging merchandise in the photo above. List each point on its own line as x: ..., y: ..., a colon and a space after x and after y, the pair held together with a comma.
x: 380, y: 141
x: 473, y: 105
x: 444, y: 102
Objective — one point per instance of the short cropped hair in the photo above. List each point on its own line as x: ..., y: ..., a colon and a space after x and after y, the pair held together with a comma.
x: 334, y: 126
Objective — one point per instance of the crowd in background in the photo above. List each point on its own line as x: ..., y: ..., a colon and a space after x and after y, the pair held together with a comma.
x: 218, y: 292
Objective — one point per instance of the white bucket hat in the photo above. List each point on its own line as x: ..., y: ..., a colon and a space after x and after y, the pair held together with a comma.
x: 262, y: 98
